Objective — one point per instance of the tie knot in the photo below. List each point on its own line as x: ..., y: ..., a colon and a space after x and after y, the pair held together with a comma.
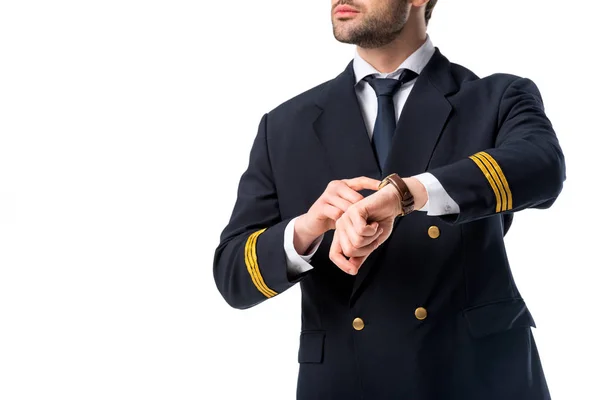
x: 389, y: 86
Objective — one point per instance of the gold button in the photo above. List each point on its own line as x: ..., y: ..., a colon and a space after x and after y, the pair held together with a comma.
x: 434, y: 232
x: 358, y: 324
x: 421, y: 313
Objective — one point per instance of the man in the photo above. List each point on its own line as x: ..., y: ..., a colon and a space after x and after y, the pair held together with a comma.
x: 386, y: 193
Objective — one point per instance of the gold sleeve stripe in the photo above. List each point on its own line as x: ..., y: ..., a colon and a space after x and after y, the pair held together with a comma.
x: 490, y: 180
x: 257, y: 270
x: 496, y: 178
x: 252, y: 265
x: 249, y: 262
x: 502, y: 178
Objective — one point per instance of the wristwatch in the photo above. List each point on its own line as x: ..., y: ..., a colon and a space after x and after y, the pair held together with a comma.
x: 407, y: 201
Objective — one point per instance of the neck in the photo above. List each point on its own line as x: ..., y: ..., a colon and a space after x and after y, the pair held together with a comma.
x: 387, y: 58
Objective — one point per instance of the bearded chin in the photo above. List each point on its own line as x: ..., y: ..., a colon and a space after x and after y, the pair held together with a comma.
x: 376, y: 31
x: 367, y: 38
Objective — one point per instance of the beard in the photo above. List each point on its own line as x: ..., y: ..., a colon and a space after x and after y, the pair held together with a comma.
x: 372, y: 30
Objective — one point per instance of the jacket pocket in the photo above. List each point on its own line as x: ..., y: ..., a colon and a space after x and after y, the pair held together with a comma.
x: 498, y: 316
x: 311, y: 347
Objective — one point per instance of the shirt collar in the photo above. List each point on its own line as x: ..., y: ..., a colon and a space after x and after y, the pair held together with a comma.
x: 415, y: 62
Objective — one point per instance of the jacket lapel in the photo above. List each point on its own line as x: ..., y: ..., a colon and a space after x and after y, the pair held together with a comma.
x: 341, y: 130
x: 422, y: 119
x: 421, y: 123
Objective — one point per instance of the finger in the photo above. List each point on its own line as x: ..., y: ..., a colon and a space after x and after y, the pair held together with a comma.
x: 361, y: 183
x: 366, y: 249
x: 358, y: 261
x: 347, y: 193
x: 358, y: 218
x: 359, y: 241
x: 345, y: 243
x: 362, y: 252
x: 337, y: 201
x: 337, y: 257
x: 340, y: 230
x: 332, y: 212
x: 350, y: 249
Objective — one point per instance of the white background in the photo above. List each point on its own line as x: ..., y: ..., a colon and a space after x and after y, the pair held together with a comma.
x: 124, y: 128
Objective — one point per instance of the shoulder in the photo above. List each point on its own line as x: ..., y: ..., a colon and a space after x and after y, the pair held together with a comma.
x: 495, y: 83
x: 497, y: 87
x: 300, y: 105
x: 288, y: 118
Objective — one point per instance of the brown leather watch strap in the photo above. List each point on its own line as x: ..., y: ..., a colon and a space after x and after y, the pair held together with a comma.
x: 407, y: 201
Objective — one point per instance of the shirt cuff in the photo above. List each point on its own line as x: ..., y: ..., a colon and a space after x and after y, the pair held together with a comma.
x: 297, y: 264
x: 439, y: 201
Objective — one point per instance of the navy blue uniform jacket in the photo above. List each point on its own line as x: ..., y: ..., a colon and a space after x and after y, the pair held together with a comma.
x: 443, y: 318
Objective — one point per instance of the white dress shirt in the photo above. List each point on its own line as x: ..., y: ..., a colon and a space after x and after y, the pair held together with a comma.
x: 438, y: 203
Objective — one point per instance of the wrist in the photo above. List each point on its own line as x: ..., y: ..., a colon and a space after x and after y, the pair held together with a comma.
x: 394, y: 198
x: 303, y: 237
x: 418, y: 190
x: 406, y: 204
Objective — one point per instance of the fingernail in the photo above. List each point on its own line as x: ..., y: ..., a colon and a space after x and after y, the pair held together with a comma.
x: 380, y: 231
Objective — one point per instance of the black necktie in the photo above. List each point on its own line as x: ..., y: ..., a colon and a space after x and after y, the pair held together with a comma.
x: 385, y: 124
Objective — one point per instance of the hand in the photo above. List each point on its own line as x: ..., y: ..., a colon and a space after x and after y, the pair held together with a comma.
x: 356, y: 235
x: 363, y: 228
x: 331, y: 205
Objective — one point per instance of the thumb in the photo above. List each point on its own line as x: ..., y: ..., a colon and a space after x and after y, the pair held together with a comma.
x: 362, y: 182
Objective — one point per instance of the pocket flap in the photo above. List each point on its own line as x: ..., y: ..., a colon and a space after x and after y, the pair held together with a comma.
x: 311, y: 347
x: 497, y: 317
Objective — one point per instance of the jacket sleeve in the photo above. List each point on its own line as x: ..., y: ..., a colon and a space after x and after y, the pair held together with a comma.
x: 250, y: 264
x: 524, y: 169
